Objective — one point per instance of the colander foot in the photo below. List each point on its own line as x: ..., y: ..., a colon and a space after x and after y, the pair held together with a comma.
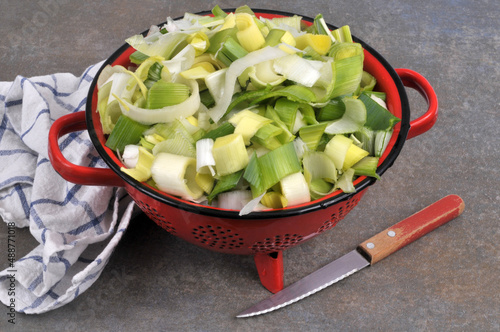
x: 270, y: 269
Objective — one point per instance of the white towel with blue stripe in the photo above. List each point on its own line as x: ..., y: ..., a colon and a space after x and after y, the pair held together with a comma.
x: 77, y: 227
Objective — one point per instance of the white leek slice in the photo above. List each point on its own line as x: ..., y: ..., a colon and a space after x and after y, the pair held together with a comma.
x: 205, y: 162
x: 299, y: 70
x: 295, y: 189
x: 236, y: 68
x: 108, y: 106
x: 353, y: 119
x: 130, y: 155
x: 300, y: 147
x: 379, y: 101
x: 165, y: 114
x: 251, y: 206
x: 234, y: 200
x: 175, y: 175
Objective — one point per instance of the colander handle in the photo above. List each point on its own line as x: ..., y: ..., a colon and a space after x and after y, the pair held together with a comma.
x: 74, y: 173
x: 416, y: 81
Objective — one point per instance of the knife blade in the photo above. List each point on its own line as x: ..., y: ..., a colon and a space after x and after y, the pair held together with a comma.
x: 367, y: 253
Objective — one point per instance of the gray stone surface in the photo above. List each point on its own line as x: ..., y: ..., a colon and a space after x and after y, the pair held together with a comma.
x: 446, y: 281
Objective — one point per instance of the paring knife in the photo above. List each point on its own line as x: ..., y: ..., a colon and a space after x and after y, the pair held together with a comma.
x: 367, y: 253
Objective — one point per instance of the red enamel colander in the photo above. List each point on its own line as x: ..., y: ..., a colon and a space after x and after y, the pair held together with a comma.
x: 261, y: 234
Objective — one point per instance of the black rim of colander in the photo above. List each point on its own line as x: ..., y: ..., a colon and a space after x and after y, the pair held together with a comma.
x: 273, y: 214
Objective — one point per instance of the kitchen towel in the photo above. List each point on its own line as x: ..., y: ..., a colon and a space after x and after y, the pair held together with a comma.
x: 77, y: 227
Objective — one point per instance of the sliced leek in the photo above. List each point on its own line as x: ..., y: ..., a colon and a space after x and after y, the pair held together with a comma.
x: 319, y: 43
x: 176, y: 175
x: 317, y: 165
x: 352, y: 120
x: 205, y: 162
x: 255, y: 113
x: 230, y: 154
x: 225, y: 183
x: 345, y: 181
x: 337, y: 149
x: 377, y: 117
x: 297, y: 69
x: 274, y: 200
x: 295, y: 189
x: 167, y: 113
x: 162, y: 94
x: 125, y: 132
x: 367, y: 166
x: 143, y: 167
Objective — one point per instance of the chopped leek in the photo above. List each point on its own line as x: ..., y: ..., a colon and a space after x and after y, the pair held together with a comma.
x: 319, y: 43
x: 176, y: 175
x: 343, y: 34
x: 377, y: 117
x: 317, y: 165
x: 230, y: 154
x: 277, y: 164
x: 254, y: 113
x: 274, y: 200
x: 337, y: 149
x: 248, y: 33
x: 353, y: 155
x: 352, y: 120
x: 223, y: 130
x: 234, y: 200
x: 142, y: 169
x: 297, y: 69
x: 225, y: 183
x: 130, y: 155
x: 345, y: 181
x: 204, y: 158
x: 167, y: 113
x: 125, y: 132
x: 311, y: 135
x: 295, y: 189
x: 163, y: 94
x: 367, y: 166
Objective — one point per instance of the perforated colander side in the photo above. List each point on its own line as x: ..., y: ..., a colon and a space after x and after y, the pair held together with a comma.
x: 217, y: 237
x: 340, y: 213
x: 276, y: 243
x: 156, y: 216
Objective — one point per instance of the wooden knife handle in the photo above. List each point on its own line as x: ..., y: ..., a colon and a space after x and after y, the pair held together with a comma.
x: 412, y: 228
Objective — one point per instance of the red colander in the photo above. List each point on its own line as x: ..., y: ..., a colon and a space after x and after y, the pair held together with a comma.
x: 261, y: 234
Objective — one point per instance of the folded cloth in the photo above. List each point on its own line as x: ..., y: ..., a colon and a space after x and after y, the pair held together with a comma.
x: 77, y: 226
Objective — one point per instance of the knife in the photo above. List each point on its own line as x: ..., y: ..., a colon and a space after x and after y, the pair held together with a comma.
x: 367, y: 253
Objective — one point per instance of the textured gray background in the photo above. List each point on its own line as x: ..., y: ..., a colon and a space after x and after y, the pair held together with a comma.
x: 446, y: 281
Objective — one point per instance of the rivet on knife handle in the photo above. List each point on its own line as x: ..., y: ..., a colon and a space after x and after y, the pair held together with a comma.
x: 412, y: 228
